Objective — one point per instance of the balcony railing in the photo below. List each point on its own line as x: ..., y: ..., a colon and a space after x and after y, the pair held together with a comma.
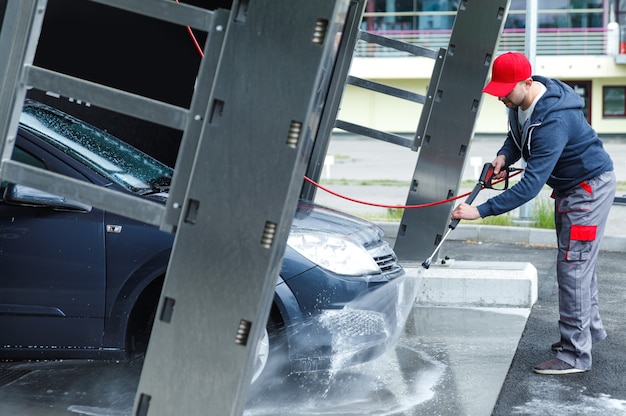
x: 560, y: 32
x: 569, y: 41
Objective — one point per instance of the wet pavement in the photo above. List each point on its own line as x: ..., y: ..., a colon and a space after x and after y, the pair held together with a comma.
x: 68, y: 387
x: 437, y: 368
x: 598, y: 392
x: 434, y: 369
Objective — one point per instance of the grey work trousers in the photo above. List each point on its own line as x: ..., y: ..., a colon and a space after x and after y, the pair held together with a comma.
x: 580, y: 216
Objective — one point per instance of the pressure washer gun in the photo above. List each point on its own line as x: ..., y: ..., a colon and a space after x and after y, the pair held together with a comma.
x: 485, y: 181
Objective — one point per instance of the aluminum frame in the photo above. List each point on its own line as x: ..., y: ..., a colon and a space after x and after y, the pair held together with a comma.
x: 458, y: 76
x: 337, y: 86
x: 263, y: 115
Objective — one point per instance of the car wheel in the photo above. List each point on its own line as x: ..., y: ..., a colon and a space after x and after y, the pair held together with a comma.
x: 271, y: 357
x: 141, y: 320
x: 262, y: 354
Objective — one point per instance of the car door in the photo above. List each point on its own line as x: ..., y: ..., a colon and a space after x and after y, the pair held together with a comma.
x: 52, y: 267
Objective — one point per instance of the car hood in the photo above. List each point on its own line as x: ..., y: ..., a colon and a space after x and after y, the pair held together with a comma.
x: 310, y: 216
x: 313, y: 217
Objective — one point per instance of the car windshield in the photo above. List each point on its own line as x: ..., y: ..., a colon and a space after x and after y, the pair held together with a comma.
x: 107, y: 155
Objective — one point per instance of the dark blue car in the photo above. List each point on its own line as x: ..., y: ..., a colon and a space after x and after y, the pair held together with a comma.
x: 80, y: 282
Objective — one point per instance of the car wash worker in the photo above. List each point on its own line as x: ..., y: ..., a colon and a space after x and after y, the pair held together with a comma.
x: 548, y: 129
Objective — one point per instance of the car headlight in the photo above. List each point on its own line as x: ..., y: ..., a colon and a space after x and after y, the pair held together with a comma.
x: 338, y: 254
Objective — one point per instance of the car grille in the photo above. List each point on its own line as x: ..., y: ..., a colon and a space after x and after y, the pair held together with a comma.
x: 384, y: 256
x: 387, y: 263
x: 350, y: 323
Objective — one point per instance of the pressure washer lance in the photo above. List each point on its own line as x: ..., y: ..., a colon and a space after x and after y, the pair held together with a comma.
x: 483, y: 182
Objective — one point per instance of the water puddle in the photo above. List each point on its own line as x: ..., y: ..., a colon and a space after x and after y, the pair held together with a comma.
x: 394, y: 383
x: 571, y: 402
x: 98, y: 411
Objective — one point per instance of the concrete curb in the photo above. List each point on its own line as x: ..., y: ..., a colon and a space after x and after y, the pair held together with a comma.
x: 488, y: 284
x: 525, y: 235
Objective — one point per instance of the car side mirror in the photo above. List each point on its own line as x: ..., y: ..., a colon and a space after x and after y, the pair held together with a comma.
x: 25, y: 195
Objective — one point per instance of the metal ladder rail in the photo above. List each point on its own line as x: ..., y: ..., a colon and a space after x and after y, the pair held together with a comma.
x: 398, y: 45
x: 447, y: 125
x: 339, y: 74
x: 415, y: 50
x: 341, y: 79
x: 20, y: 33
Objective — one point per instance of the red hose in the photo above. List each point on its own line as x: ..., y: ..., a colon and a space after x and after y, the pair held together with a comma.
x: 430, y: 204
x: 194, y: 40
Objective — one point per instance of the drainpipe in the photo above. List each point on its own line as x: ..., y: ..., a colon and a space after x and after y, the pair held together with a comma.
x: 612, y: 34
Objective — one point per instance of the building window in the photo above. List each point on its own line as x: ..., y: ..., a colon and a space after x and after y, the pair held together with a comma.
x: 614, y: 101
x: 408, y: 15
x: 559, y: 14
x: 564, y: 27
x: 403, y: 15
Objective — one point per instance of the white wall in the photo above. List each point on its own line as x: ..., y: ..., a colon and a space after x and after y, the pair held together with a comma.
x: 394, y: 115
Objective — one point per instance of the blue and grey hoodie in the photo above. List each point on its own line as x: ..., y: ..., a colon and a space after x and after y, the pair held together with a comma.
x: 560, y: 148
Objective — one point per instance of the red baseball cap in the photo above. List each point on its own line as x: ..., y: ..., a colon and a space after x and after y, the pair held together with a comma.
x: 508, y: 69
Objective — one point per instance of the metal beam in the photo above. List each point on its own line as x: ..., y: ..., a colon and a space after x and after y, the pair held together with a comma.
x: 386, y: 89
x: 374, y: 133
x: 167, y: 10
x: 106, y: 97
x: 212, y: 51
x: 264, y: 109
x: 339, y: 73
x: 18, y: 40
x: 448, y: 125
x: 103, y: 198
x: 414, y: 50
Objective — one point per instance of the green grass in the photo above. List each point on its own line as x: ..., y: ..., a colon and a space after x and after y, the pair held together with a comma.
x: 543, y: 212
x: 503, y: 220
x: 368, y: 182
x: 621, y: 186
x: 542, y: 216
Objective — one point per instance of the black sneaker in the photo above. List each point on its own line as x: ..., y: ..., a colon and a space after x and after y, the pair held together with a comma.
x: 556, y: 367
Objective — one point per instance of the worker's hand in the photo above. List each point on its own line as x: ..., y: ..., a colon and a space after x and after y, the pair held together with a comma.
x: 499, y: 166
x: 465, y: 212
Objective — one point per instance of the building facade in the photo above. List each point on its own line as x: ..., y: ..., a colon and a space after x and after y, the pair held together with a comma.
x: 581, y: 43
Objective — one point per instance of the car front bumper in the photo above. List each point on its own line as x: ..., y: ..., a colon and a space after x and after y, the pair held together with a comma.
x: 360, y: 331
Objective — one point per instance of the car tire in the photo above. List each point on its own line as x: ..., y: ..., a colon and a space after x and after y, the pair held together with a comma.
x: 271, y: 364
x: 262, y: 354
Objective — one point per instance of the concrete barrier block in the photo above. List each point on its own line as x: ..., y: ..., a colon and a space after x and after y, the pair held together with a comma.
x: 484, y: 284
